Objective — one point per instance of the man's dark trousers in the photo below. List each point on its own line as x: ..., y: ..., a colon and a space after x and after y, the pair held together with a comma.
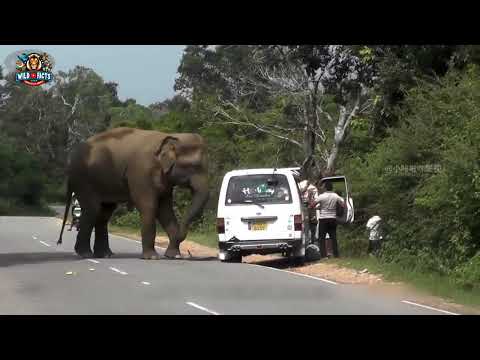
x: 327, y: 226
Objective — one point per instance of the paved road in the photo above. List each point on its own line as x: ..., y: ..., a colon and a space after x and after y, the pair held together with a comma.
x: 35, y: 279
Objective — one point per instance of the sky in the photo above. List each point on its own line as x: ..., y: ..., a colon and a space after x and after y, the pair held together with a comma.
x: 144, y: 72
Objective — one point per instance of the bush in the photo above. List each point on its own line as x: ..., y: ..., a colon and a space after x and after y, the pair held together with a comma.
x: 55, y: 192
x: 22, y: 178
x: 468, y: 275
x: 125, y: 218
x: 352, y: 240
x: 432, y: 217
x: 5, y: 207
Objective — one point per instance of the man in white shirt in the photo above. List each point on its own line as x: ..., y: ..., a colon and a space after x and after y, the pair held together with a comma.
x: 375, y: 237
x: 309, y: 192
x: 327, y: 203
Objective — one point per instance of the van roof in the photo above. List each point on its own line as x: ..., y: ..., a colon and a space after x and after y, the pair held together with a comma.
x: 284, y: 171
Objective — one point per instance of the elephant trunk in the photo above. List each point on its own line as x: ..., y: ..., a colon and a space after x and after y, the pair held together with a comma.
x: 200, y: 196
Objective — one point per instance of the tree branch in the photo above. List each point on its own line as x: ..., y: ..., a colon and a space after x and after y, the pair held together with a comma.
x: 234, y: 121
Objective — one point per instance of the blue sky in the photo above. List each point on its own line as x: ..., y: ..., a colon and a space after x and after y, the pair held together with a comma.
x: 144, y: 72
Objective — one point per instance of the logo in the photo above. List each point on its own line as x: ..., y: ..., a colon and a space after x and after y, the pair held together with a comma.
x: 33, y: 68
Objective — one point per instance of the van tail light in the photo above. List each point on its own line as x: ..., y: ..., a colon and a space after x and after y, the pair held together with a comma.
x: 298, y: 223
x: 220, y: 225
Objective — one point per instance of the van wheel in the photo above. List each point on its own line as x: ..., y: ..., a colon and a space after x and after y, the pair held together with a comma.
x: 233, y: 258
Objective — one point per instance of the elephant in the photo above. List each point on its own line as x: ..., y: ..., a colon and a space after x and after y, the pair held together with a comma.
x: 140, y: 168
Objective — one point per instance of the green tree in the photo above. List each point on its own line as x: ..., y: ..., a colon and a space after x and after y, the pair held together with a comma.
x: 322, y: 89
x: 423, y: 178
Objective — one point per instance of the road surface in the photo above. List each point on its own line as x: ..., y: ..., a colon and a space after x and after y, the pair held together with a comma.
x: 39, y: 277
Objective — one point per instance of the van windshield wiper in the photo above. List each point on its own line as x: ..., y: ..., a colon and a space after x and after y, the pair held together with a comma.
x: 254, y: 202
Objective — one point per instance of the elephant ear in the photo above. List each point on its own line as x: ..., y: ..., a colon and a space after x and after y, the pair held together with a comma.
x: 167, y: 154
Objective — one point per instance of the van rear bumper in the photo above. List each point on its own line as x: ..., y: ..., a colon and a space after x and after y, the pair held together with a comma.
x: 259, y: 246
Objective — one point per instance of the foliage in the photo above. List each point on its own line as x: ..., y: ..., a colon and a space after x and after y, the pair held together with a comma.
x: 309, y: 79
x: 47, y: 122
x: 432, y: 216
x: 22, y: 179
x: 129, y: 219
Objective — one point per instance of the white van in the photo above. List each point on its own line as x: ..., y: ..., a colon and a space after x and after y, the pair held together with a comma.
x: 260, y: 211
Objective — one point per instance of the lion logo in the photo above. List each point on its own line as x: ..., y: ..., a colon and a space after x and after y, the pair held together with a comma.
x: 34, y: 63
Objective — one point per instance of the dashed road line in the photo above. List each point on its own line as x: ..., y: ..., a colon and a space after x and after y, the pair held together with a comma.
x: 94, y: 261
x: 44, y: 243
x: 201, y: 308
x: 428, y: 307
x: 118, y: 271
x: 145, y: 283
x: 298, y: 274
x: 34, y: 237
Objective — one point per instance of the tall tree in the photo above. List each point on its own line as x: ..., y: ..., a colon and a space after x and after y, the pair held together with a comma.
x: 46, y: 122
x: 325, y: 86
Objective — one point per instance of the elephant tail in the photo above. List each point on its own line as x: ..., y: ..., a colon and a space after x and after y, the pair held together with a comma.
x: 67, y: 206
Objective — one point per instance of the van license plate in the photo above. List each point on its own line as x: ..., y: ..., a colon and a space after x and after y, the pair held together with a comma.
x: 258, y: 226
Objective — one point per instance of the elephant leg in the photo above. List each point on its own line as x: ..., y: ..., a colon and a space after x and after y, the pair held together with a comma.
x: 149, y: 231
x: 166, y: 218
x: 90, y: 209
x: 101, y: 247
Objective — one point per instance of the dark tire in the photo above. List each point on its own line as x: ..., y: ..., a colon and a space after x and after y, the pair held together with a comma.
x: 312, y: 253
x: 233, y: 259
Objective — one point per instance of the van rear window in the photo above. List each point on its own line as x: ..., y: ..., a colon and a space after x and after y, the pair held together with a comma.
x: 260, y: 188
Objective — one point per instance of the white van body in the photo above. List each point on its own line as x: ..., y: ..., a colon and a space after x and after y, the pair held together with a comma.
x: 257, y: 216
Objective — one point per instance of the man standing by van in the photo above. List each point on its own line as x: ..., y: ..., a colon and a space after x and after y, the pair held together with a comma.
x: 309, y: 192
x: 327, y: 203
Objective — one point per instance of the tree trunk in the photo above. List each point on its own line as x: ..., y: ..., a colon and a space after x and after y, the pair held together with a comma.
x: 310, y: 137
x: 330, y: 170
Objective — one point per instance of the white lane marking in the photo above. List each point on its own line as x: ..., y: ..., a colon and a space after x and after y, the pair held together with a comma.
x: 429, y: 307
x: 118, y: 271
x: 34, y: 237
x: 201, y: 308
x: 145, y: 283
x: 91, y: 269
x: 94, y: 261
x: 44, y: 243
x: 137, y: 241
x: 298, y: 274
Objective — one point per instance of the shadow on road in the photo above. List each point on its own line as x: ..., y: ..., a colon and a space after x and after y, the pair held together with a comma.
x: 279, y: 263
x: 138, y: 256
x: 12, y: 259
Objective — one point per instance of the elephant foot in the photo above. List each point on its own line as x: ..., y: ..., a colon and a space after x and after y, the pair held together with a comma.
x: 85, y: 254
x: 172, y: 253
x: 103, y: 254
x: 150, y: 255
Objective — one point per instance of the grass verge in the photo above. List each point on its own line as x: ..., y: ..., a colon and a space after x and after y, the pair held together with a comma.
x: 430, y: 283
x: 206, y: 239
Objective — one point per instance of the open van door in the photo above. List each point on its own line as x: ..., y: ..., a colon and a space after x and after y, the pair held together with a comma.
x: 348, y: 215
